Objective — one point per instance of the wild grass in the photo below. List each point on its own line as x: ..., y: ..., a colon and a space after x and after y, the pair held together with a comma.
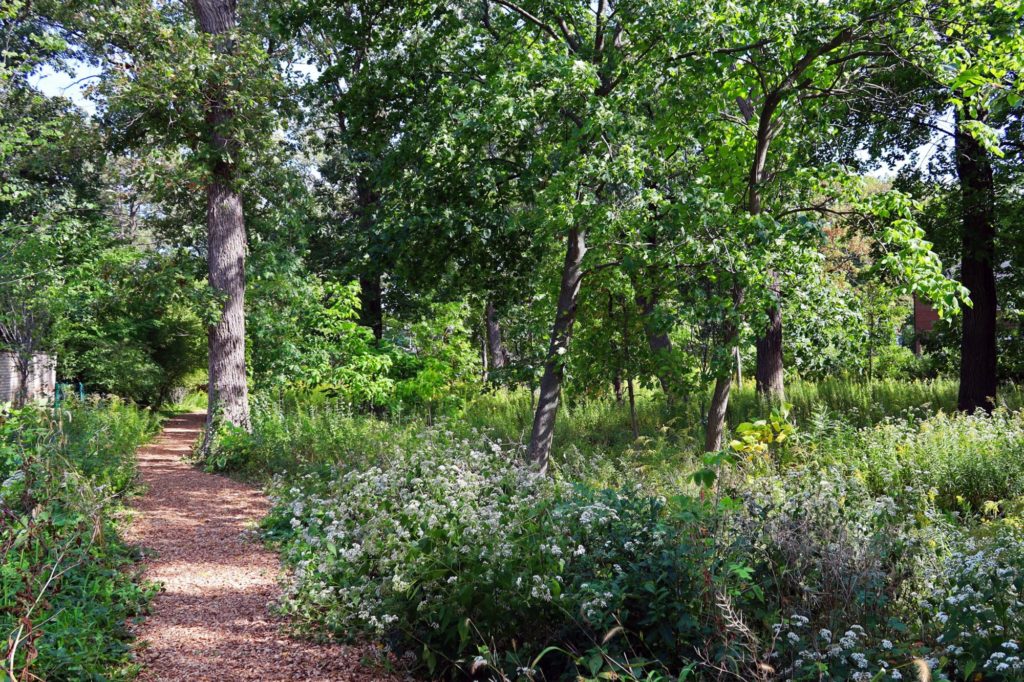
x: 593, y: 438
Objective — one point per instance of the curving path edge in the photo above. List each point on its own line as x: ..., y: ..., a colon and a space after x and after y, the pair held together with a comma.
x: 211, y: 619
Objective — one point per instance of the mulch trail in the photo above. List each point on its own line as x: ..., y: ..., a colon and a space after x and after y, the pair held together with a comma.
x: 211, y: 620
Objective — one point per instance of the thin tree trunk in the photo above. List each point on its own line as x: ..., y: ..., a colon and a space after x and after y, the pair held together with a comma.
x: 629, y: 371
x: 498, y: 352
x: 483, y: 358
x: 769, y: 369
x: 228, y: 391
x: 978, y: 352
x: 723, y: 383
x: 739, y: 366
x: 658, y: 341
x: 633, y: 421
x: 543, y: 431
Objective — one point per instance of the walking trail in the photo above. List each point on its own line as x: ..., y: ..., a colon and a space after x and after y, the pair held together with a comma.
x: 211, y: 620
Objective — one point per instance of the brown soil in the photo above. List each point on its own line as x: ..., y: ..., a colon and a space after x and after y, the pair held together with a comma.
x: 211, y: 620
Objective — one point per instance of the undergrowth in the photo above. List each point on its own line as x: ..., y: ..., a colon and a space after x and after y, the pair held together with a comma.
x: 68, y: 586
x: 867, y: 542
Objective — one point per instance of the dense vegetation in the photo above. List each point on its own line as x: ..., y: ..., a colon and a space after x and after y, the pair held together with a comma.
x: 573, y: 338
x: 837, y: 550
x: 67, y: 583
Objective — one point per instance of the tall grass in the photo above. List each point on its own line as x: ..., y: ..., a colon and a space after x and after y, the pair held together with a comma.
x: 604, y: 423
x: 593, y: 437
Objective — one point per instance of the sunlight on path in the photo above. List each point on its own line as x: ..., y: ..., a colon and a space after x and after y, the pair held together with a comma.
x: 211, y: 619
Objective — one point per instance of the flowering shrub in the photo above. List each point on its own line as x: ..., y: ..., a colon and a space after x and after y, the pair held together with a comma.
x: 426, y: 548
x: 461, y: 552
x: 978, y: 609
x: 841, y: 554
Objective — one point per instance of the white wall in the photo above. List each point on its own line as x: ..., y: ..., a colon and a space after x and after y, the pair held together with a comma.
x: 41, y: 379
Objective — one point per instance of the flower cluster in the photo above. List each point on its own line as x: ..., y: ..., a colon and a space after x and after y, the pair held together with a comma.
x: 980, y: 614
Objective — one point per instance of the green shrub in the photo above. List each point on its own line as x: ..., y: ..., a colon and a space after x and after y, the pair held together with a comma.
x: 975, y: 607
x: 67, y: 586
x: 966, y: 462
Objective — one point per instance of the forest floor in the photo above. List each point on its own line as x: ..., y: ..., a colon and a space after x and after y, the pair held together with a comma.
x: 211, y: 619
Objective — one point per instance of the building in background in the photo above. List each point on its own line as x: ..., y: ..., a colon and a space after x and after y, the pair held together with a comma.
x: 925, y: 317
x: 42, y: 377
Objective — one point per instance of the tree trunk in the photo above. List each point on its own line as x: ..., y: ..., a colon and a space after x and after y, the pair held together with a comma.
x: 371, y: 304
x: 561, y: 331
x: 723, y: 383
x: 498, y: 352
x: 658, y: 341
x: 22, y: 367
x: 626, y: 342
x: 739, y: 366
x: 769, y: 369
x: 716, y: 414
x: 228, y: 391
x: 978, y: 354
x: 633, y: 421
x: 483, y: 359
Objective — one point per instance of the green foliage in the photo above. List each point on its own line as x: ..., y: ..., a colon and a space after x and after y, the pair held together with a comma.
x: 300, y: 431
x: 831, y: 549
x: 67, y: 583
x: 133, y: 324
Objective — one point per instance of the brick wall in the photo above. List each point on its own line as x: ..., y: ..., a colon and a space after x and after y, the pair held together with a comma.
x: 41, y: 380
x: 925, y: 316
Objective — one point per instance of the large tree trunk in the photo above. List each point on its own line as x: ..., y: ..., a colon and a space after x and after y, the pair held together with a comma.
x: 551, y: 382
x: 978, y: 352
x: 495, y: 346
x: 228, y: 391
x: 769, y: 369
x: 716, y: 414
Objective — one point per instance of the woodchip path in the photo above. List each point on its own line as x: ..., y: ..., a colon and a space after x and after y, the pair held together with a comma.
x: 211, y: 619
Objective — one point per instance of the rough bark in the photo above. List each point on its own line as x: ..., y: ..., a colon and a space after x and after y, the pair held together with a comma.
x: 768, y: 372
x: 226, y: 243
x: 768, y: 369
x: 978, y: 353
x: 495, y: 346
x: 716, y: 413
x: 543, y: 431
